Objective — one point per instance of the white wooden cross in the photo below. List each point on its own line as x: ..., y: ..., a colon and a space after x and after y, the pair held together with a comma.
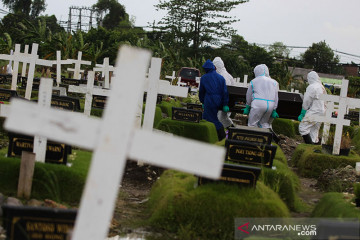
x: 89, y: 90
x: 114, y: 139
x: 172, y: 77
x: 77, y: 67
x: 58, y: 63
x: 9, y: 66
x: 153, y: 87
x: 24, y: 65
x: 32, y: 59
x: 105, y: 69
x: 344, y: 104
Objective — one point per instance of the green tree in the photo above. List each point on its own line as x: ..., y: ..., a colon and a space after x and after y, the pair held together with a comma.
x: 321, y: 58
x: 27, y: 7
x: 279, y: 50
x: 196, y: 21
x: 116, y: 15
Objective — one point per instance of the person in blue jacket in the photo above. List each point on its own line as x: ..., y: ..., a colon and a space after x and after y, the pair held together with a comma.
x: 214, y: 96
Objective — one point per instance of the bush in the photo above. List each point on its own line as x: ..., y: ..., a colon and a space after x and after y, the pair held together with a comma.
x: 334, y: 205
x: 57, y: 182
x: 204, y: 131
x: 175, y: 205
x: 312, y: 164
x: 284, y: 126
x: 166, y: 106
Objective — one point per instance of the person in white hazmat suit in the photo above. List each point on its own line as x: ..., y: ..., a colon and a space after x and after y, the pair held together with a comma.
x: 261, y: 98
x: 312, y: 105
x: 224, y: 117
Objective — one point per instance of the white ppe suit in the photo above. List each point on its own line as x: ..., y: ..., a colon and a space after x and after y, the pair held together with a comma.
x: 313, y: 106
x: 224, y: 117
x: 262, y: 96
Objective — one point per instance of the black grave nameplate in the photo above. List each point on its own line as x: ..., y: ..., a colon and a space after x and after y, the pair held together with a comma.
x: 236, y: 174
x: 98, y: 101
x: 192, y: 106
x: 329, y: 230
x: 352, y: 116
x: 5, y: 79
x: 40, y: 223
x: 187, y: 115
x: 250, y: 153
x: 71, y: 81
x: 35, y: 86
x: 55, y: 152
x: 64, y: 102
x: 250, y: 135
x: 56, y: 92
x: 6, y: 94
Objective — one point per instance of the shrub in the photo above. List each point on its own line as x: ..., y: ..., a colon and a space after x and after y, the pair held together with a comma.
x: 284, y: 126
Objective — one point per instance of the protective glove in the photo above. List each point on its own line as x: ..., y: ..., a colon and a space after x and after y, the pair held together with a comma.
x: 274, y: 114
x: 226, y: 108
x: 302, y: 115
x: 202, y: 106
x: 246, y: 110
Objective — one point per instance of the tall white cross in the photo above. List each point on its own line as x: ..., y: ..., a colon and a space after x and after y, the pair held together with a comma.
x: 153, y: 87
x: 172, y: 77
x: 24, y: 65
x: 32, y: 59
x: 77, y: 67
x: 114, y: 139
x: 58, y: 63
x: 344, y: 104
x: 89, y: 90
x: 105, y: 69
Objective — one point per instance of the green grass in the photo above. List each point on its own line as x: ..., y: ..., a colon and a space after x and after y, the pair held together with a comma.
x: 57, y: 182
x: 284, y: 126
x: 311, y: 164
x: 208, y: 211
x: 204, y: 131
x: 334, y: 205
x: 166, y: 106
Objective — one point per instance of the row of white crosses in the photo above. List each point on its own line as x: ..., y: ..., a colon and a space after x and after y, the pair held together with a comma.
x: 241, y: 84
x: 113, y: 140
x: 105, y: 70
x: 77, y: 68
x: 344, y: 103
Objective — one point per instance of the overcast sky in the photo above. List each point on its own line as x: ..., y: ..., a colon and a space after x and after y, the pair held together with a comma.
x: 293, y: 22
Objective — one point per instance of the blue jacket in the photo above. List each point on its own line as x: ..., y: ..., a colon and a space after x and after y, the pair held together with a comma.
x: 212, y: 93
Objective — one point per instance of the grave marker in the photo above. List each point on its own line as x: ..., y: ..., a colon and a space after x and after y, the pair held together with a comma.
x: 24, y: 65
x: 187, y: 115
x: 105, y: 69
x: 114, y: 139
x: 78, y: 62
x: 58, y: 63
x: 344, y: 104
x: 7, y: 94
x: 193, y: 106
x: 65, y: 102
x: 250, y: 134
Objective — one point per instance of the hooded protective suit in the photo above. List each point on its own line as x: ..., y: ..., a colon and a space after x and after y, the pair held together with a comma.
x: 313, y: 106
x: 224, y: 117
x: 262, y: 96
x: 213, y: 94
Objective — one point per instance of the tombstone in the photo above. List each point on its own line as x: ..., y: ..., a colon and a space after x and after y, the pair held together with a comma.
x: 90, y: 91
x: 59, y: 91
x: 105, y: 69
x: 35, y: 84
x: 289, y: 104
x: 58, y: 63
x: 37, y: 223
x: 66, y: 103
x: 186, y: 115
x: 236, y: 174
x: 55, y: 152
x: 250, y: 134
x: 193, y: 106
x: 113, y: 139
x: 242, y: 152
x: 7, y: 94
x: 77, y: 69
x: 343, y: 104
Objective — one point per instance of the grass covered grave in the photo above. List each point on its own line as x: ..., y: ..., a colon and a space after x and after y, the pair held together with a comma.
x: 208, y: 211
x: 312, y: 164
x: 286, y: 127
x: 50, y: 181
x: 166, y: 106
x: 204, y: 131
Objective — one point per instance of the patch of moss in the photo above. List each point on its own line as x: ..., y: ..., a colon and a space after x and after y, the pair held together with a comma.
x: 334, y: 205
x: 204, y: 131
x: 312, y: 164
x: 166, y: 106
x: 280, y: 156
x: 56, y: 182
x: 175, y: 204
x: 284, y: 126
